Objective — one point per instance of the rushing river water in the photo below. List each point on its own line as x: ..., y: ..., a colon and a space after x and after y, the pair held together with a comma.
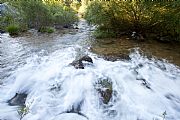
x: 38, y: 65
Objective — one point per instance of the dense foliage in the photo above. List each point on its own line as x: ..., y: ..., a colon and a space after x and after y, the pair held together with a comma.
x: 38, y: 14
x: 159, y: 18
x: 150, y: 18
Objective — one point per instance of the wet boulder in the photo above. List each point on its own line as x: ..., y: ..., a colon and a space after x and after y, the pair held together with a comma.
x: 104, y: 88
x: 116, y: 57
x: 76, y: 27
x: 18, y: 100
x: 76, y: 108
x: 68, y: 26
x: 78, y: 64
x: 86, y: 58
x: 137, y: 36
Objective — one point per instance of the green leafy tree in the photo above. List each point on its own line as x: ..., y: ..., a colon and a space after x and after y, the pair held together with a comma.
x: 145, y: 17
x: 35, y: 13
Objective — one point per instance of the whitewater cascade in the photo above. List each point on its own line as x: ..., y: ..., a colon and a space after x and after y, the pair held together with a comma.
x: 143, y: 89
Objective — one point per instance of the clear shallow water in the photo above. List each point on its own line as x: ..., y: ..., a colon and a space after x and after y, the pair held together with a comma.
x: 151, y: 48
x: 39, y: 66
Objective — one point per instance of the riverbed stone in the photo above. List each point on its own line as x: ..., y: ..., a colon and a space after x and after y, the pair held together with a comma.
x: 116, y: 57
x: 86, y: 58
x: 104, y: 88
x: 78, y: 64
x: 137, y: 36
x: 18, y: 100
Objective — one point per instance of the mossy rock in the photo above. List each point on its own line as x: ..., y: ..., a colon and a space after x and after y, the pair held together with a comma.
x: 105, y: 89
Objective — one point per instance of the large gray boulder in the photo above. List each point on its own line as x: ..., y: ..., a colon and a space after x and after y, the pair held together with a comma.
x: 18, y: 100
x: 7, y: 9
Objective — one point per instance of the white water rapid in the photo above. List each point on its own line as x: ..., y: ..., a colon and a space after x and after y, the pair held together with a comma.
x: 42, y: 71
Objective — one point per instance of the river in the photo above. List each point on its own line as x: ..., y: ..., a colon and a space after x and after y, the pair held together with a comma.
x: 38, y: 65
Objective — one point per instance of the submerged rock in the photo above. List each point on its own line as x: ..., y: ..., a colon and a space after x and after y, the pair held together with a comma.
x: 2, y: 31
x: 114, y: 58
x: 78, y: 64
x: 76, y: 108
x: 18, y: 100
x: 144, y: 83
x: 69, y: 116
x: 104, y: 88
x: 173, y: 98
x: 165, y: 39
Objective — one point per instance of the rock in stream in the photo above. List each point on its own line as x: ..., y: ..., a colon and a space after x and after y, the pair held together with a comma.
x: 78, y: 64
x: 104, y: 88
x: 18, y: 100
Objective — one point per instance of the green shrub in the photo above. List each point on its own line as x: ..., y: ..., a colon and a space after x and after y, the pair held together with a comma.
x: 13, y: 29
x: 38, y: 14
x: 6, y: 20
x: 103, y: 34
x: 76, y: 5
x: 62, y: 15
x: 46, y: 30
x: 11, y: 17
x: 50, y: 30
x: 35, y: 13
